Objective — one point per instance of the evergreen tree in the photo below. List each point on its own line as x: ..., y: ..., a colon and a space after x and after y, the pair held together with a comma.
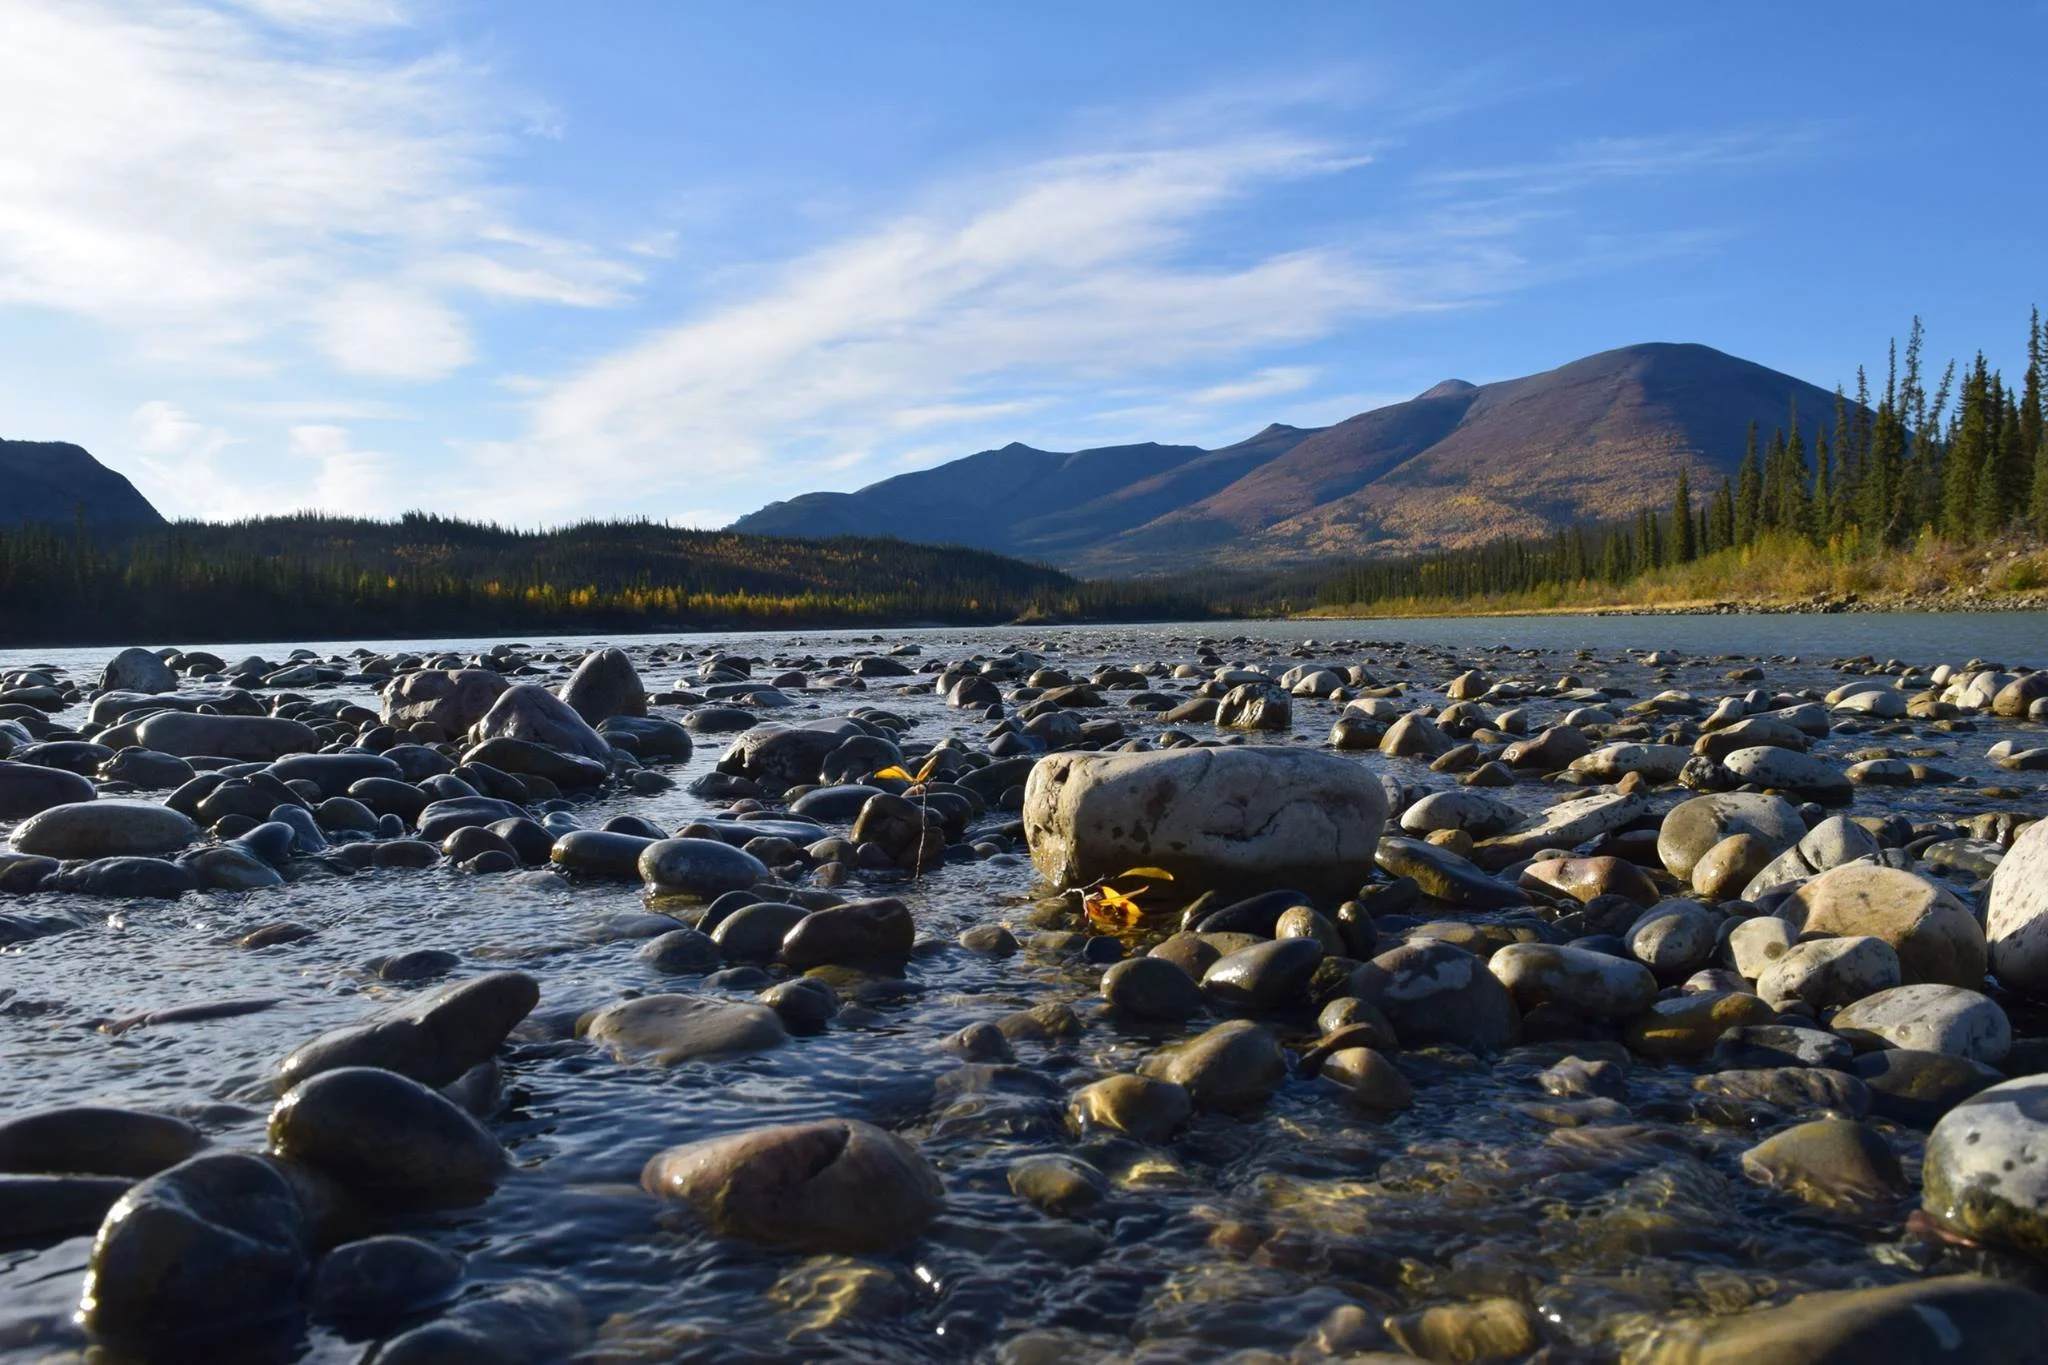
x: 1723, y: 537
x: 1683, y: 550
x: 1963, y: 469
x: 1748, y: 494
x: 1794, y: 511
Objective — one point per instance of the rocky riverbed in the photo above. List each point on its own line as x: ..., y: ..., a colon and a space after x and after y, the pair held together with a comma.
x: 1137, y: 995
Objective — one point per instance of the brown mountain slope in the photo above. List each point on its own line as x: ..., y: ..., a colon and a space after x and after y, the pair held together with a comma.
x: 1595, y: 439
x: 1599, y: 438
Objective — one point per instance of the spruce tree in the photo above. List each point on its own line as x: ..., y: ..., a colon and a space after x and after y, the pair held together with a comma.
x: 1683, y: 551
x: 1963, y: 468
x: 1748, y: 494
x: 1724, y: 517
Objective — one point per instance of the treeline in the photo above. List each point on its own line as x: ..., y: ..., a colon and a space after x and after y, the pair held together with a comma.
x: 1959, y: 463
x: 311, y: 576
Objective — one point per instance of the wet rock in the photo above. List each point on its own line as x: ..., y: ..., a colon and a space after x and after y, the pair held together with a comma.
x: 439, y: 819
x: 524, y: 758
x: 524, y: 1322
x: 95, y: 1140
x: 1590, y: 984
x: 604, y: 685
x: 804, y: 1005
x: 1233, y: 1066
x: 669, y: 1029
x: 1059, y: 1184
x: 1827, y: 972
x: 1936, y: 937
x: 856, y: 931
x: 1152, y: 988
x: 104, y: 829
x: 538, y: 715
x: 433, y: 1039
x: 1265, y: 976
x: 1983, y: 1176
x: 755, y: 933
x: 680, y: 951
x: 210, y: 1246
x: 1490, y: 1330
x: 1580, y: 1078
x: 137, y: 670
x: 1224, y: 818
x: 1368, y: 1078
x: 1760, y: 1046
x: 1255, y: 706
x: 1693, y: 827
x: 1584, y: 878
x: 451, y: 699
x: 839, y: 1185
x: 42, y: 1210
x: 1446, y: 876
x: 1140, y: 1107
x: 1933, y: 1018
x: 387, y: 1138
x: 780, y: 756
x: 381, y: 1278
x: 1550, y: 751
x: 903, y: 829
x: 1415, y: 736
x: 1688, y: 1026
x: 253, y: 739
x: 1944, y: 1321
x: 28, y: 789
x: 698, y: 869
x: 1914, y: 1087
x: 1565, y: 825
x: 1432, y: 992
x: 1831, y: 843
x: 1793, y: 1089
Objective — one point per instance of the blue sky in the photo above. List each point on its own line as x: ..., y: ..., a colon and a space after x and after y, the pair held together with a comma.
x: 535, y: 261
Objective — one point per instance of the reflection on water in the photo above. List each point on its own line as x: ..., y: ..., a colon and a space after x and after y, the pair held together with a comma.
x: 1242, y: 1233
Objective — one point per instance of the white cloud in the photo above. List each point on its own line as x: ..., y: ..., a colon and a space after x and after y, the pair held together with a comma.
x: 1072, y: 275
x: 1267, y: 383
x: 392, y: 333
x: 344, y: 479
x: 203, y: 178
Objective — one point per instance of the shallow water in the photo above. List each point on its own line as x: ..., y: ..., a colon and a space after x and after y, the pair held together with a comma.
x: 1242, y: 1233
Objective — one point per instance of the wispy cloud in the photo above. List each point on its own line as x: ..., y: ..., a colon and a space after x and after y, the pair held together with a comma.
x: 252, y: 181
x: 1071, y: 275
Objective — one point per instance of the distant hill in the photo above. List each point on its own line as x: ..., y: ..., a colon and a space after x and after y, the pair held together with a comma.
x: 47, y: 481
x: 1457, y: 465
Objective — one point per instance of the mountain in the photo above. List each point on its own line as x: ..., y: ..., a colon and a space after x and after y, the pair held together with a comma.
x: 1456, y: 465
x: 48, y: 481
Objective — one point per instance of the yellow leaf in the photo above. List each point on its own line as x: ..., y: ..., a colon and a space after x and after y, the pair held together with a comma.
x: 1113, y: 910
x: 896, y: 773
x: 1157, y: 874
x: 930, y: 765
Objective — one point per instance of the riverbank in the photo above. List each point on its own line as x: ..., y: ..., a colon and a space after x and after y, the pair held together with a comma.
x: 1780, y: 578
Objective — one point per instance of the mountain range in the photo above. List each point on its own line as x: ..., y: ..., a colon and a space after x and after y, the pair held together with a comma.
x: 1457, y: 465
x: 57, y: 482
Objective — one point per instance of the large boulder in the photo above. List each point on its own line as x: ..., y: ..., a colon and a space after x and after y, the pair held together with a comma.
x: 251, y: 739
x: 137, y: 670
x: 454, y: 698
x: 1803, y: 775
x: 1934, y: 934
x: 838, y: 1186
x: 536, y: 714
x: 387, y: 1138
x: 669, y: 1029
x: 104, y: 829
x: 1228, y: 818
x: 604, y: 685
x: 1255, y: 706
x: 2016, y: 914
